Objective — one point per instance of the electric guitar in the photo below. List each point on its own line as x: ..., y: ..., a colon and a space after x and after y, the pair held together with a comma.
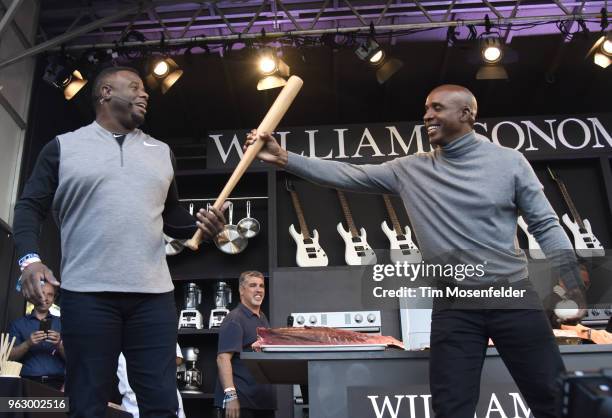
x: 357, y: 251
x: 309, y: 253
x: 534, y: 248
x: 586, y: 244
x: 402, y: 246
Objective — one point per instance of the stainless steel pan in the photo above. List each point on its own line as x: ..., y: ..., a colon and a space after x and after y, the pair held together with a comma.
x: 229, y: 240
x: 248, y: 227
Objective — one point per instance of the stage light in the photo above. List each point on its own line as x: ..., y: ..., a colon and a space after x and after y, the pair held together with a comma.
x: 274, y: 70
x: 386, y: 70
x: 491, y: 54
x: 164, y: 73
x: 267, y: 63
x: 75, y: 85
x: 602, y: 60
x: 161, y: 68
x: 371, y: 52
x: 602, y: 51
x: 607, y: 47
x: 377, y: 57
x: 491, y: 50
x: 62, y: 74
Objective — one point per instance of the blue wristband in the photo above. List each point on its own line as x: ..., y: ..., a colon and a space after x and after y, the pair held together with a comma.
x: 27, y: 257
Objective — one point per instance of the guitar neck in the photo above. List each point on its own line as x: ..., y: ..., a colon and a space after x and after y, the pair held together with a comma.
x: 570, y: 204
x: 347, y: 213
x: 568, y: 199
x: 392, y: 215
x: 300, y: 215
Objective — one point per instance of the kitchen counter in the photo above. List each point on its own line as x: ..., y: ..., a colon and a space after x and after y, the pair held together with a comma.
x: 354, y: 384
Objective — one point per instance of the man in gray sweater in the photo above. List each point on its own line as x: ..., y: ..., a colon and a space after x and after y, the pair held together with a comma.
x: 463, y: 198
x: 112, y: 191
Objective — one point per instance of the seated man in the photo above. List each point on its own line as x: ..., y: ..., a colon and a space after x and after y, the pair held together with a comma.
x: 38, y: 344
x: 237, y: 392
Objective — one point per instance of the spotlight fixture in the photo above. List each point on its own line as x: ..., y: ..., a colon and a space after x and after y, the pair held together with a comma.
x: 161, y: 69
x: 164, y: 72
x: 372, y: 52
x: 62, y: 74
x: 602, y: 51
x: 607, y: 47
x: 267, y: 62
x: 273, y: 69
x: 492, y: 53
x: 75, y: 85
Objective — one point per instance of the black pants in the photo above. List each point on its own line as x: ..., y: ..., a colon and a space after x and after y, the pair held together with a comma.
x: 525, y: 342
x: 96, y: 327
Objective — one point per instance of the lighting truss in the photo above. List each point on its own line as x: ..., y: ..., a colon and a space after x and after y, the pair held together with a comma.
x: 183, y: 22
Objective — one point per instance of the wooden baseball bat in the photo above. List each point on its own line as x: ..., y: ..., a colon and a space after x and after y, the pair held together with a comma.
x: 268, y: 124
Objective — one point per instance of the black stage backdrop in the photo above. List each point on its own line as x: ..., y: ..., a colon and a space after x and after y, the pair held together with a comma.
x: 219, y: 94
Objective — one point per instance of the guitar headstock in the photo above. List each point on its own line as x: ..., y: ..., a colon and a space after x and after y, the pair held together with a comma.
x: 553, y: 175
x: 289, y: 185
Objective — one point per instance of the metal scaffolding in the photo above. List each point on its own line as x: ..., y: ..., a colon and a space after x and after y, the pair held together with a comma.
x: 175, y: 22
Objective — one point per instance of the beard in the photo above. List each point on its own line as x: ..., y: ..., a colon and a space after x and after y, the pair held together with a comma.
x: 137, y: 118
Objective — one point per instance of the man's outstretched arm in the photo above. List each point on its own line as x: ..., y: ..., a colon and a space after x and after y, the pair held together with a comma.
x: 369, y: 178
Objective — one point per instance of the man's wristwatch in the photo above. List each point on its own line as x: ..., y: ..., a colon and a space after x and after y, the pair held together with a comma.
x: 229, y: 396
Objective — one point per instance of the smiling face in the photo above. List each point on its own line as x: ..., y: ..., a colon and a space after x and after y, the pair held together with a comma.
x: 449, y: 114
x: 127, y: 99
x: 252, y: 292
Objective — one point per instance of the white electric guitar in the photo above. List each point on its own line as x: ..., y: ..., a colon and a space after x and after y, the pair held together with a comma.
x: 586, y: 244
x: 309, y: 253
x: 357, y: 251
x: 402, y: 247
x: 535, y: 251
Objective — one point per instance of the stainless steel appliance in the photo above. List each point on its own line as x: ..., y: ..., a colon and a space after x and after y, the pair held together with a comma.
x: 358, y: 321
x: 190, y: 316
x: 597, y: 316
x: 188, y: 375
x: 223, y: 298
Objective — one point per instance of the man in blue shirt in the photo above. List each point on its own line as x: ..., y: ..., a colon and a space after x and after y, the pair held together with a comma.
x: 237, y: 391
x: 38, y: 345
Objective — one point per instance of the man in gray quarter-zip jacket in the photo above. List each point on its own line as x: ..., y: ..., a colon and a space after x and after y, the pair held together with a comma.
x: 464, y: 196
x: 112, y: 192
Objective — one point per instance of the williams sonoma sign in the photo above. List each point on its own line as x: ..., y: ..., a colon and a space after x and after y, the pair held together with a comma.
x: 499, y: 401
x: 535, y: 137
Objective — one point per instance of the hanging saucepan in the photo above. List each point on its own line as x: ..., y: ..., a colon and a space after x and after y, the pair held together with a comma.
x: 173, y: 245
x: 229, y: 240
x: 248, y: 227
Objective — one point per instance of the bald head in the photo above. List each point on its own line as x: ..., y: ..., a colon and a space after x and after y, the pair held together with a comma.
x: 450, y: 112
x: 461, y: 97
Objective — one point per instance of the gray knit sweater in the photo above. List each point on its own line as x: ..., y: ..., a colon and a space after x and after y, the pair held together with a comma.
x: 463, y: 201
